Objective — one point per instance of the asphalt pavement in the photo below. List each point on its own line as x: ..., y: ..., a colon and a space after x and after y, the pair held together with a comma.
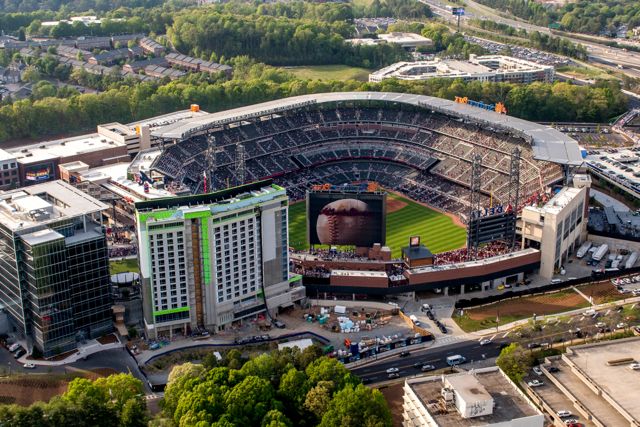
x: 376, y: 371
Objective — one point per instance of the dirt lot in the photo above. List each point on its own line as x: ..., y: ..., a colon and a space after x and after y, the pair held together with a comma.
x: 27, y: 389
x: 601, y: 292
x: 108, y: 339
x: 393, y: 396
x: 519, y: 308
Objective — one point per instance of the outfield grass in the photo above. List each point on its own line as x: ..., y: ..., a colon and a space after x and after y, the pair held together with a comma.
x: 436, y: 230
x: 124, y: 266
x: 330, y: 72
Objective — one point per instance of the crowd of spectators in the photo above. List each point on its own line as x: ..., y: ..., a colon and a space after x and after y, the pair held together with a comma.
x: 302, y: 139
x: 462, y: 255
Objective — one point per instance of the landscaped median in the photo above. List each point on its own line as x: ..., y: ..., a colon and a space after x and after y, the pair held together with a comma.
x: 518, y: 308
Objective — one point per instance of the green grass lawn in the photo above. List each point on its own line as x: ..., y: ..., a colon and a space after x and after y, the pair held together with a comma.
x: 436, y: 230
x: 124, y: 266
x: 330, y: 72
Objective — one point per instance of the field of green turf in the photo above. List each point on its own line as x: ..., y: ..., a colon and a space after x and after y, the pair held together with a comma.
x: 330, y: 72
x: 436, y: 230
x: 124, y: 266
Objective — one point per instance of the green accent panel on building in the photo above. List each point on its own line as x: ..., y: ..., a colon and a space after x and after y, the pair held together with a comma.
x: 206, y: 261
x: 144, y: 216
x: 295, y: 278
x: 201, y: 214
x: 171, y: 311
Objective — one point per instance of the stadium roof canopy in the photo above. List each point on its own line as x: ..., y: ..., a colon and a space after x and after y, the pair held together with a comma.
x: 547, y: 143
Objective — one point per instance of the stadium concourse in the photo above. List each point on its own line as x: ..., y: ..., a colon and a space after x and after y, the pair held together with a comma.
x: 421, y: 147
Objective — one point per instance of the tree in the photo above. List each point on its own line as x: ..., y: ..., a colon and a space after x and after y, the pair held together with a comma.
x: 318, y: 398
x: 515, y: 362
x: 31, y: 74
x: 43, y: 89
x: 357, y: 406
x: 275, y: 418
x: 182, y: 378
x: 249, y: 401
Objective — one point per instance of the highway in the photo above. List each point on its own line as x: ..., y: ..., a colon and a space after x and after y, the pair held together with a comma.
x: 375, y: 372
x: 596, y: 51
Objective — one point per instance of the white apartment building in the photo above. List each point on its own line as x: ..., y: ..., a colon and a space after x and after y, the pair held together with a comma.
x: 210, y: 260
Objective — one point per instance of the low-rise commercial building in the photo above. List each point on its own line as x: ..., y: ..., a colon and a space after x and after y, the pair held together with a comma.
x: 409, y: 41
x: 489, y: 68
x: 482, y: 397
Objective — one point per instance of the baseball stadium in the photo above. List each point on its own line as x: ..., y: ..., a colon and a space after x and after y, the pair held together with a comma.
x: 455, y: 179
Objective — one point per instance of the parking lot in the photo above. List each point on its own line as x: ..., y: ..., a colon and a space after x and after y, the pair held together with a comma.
x: 521, y: 52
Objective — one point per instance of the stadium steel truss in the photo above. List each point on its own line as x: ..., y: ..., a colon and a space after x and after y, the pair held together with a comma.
x: 421, y: 146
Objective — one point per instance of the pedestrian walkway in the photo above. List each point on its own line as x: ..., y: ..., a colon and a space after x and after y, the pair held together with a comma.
x: 83, y: 351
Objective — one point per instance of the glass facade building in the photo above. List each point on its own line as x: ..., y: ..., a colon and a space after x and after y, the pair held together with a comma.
x: 54, y: 271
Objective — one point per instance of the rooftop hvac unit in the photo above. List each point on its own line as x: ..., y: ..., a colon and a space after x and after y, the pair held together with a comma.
x: 447, y: 394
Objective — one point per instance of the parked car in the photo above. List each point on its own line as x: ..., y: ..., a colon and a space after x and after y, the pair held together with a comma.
x: 553, y: 369
x: 621, y: 325
x: 418, y: 365
x: 405, y: 353
x: 426, y: 368
x: 537, y: 370
x: 18, y: 354
x: 601, y: 325
x: 535, y: 383
x: 564, y: 413
x: 393, y: 375
x: 571, y: 422
x: 392, y: 370
x: 29, y: 365
x: 635, y: 366
x: 13, y: 347
x: 533, y: 345
x: 278, y: 324
x: 485, y: 341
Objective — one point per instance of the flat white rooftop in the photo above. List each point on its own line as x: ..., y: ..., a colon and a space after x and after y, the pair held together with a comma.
x: 66, y: 200
x: 63, y: 148
x: 561, y: 200
x: 5, y: 155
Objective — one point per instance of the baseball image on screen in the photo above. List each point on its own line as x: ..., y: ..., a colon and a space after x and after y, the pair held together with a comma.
x: 343, y: 222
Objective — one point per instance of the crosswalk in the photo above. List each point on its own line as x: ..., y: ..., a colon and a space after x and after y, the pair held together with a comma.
x: 449, y: 339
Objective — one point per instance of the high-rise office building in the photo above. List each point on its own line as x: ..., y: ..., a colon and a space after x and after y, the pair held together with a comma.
x: 54, y: 266
x: 209, y: 260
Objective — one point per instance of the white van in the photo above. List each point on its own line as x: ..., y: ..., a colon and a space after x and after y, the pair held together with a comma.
x: 456, y: 359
